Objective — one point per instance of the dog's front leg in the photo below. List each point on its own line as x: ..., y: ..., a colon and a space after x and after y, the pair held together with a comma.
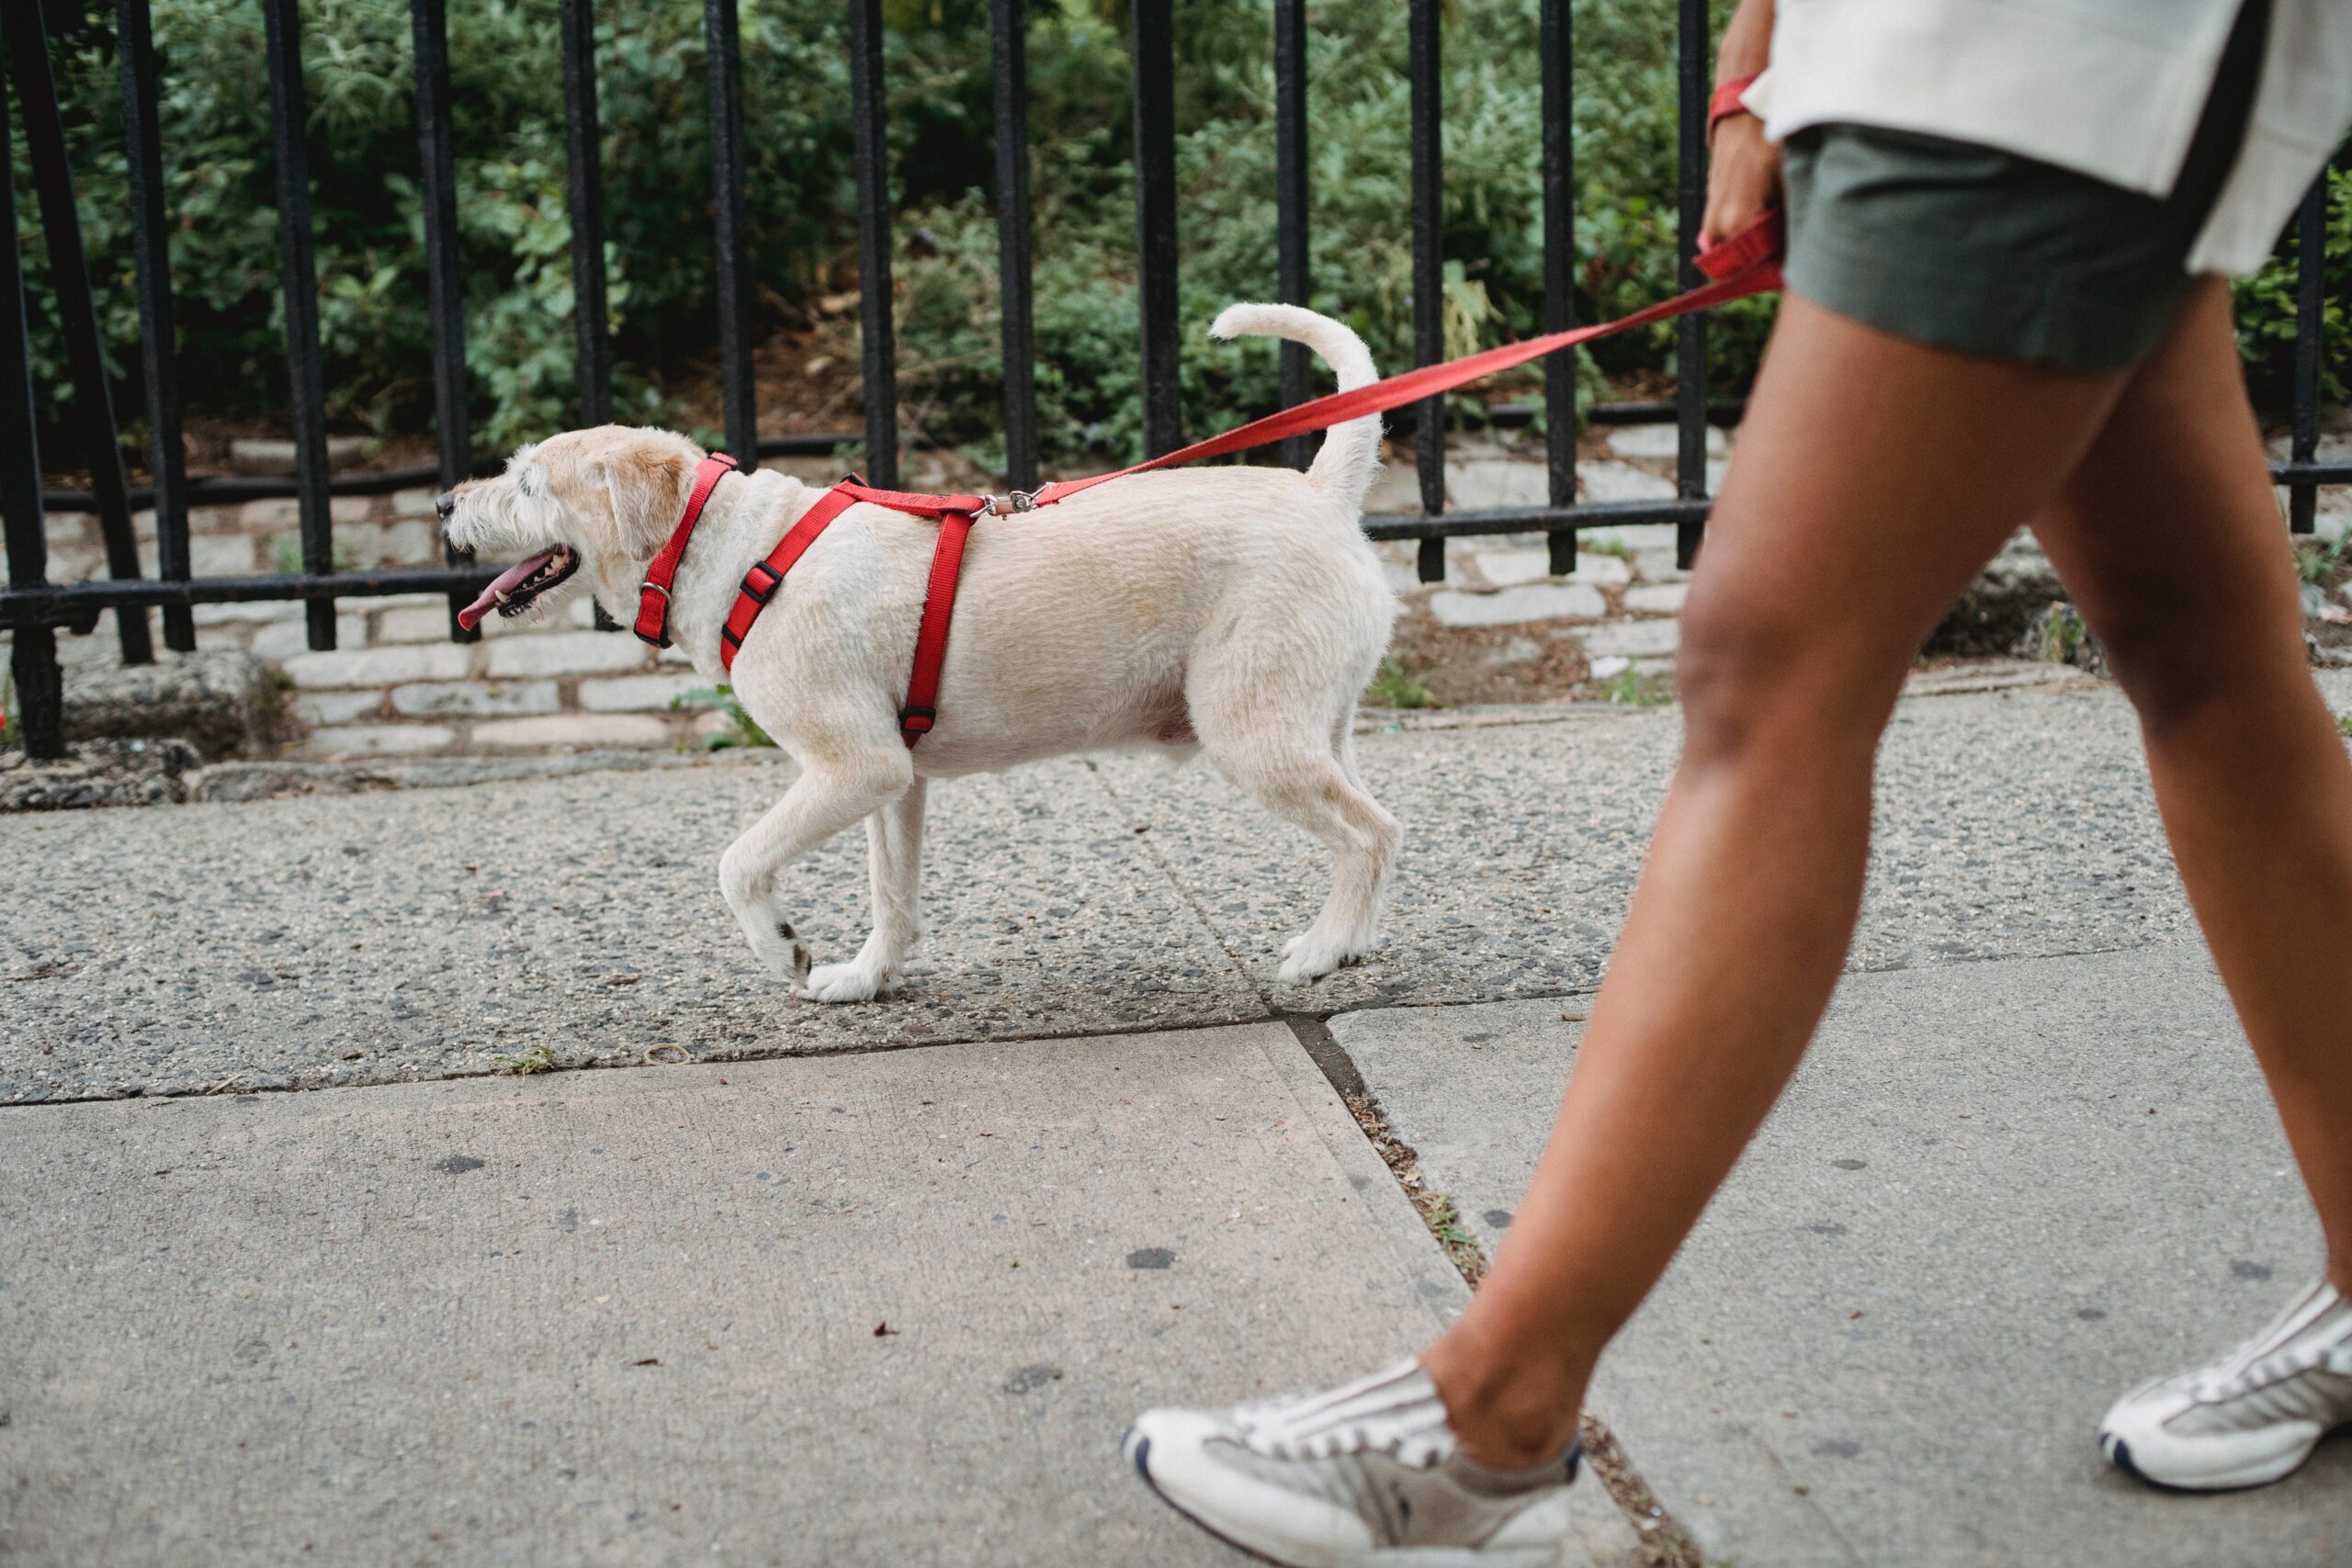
x: 894, y: 863
x: 822, y: 802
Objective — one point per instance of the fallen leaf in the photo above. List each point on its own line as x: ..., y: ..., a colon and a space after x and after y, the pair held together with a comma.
x: 883, y: 1330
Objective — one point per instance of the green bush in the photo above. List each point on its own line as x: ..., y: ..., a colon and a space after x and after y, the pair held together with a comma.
x: 516, y: 239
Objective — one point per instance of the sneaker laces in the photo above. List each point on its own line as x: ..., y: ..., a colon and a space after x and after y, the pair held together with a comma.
x: 1396, y: 1412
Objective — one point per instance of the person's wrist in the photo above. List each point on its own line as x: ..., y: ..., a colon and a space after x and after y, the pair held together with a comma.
x: 1725, y: 104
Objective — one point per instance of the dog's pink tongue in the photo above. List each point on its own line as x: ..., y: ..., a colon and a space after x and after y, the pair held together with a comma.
x: 471, y: 615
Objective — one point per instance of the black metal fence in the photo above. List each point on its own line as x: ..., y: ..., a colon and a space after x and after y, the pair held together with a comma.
x: 33, y: 608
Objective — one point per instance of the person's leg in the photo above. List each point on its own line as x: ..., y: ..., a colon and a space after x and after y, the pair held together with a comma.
x: 2170, y: 542
x: 1874, y: 478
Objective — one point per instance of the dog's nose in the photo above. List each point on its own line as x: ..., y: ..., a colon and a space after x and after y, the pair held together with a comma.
x: 444, y: 503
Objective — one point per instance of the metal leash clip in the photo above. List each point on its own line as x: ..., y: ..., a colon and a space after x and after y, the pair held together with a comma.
x: 1006, y: 505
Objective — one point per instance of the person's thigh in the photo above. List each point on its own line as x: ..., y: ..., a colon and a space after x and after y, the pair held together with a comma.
x: 2167, y: 536
x: 1874, y: 477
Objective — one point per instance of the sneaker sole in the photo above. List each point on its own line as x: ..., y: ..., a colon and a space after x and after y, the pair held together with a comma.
x: 2246, y: 1478
x: 1138, y: 1452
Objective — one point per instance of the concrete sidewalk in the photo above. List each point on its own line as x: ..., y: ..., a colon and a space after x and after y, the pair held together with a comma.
x: 1997, y: 1195
x: 631, y: 1317
x: 884, y: 1309
x: 359, y: 939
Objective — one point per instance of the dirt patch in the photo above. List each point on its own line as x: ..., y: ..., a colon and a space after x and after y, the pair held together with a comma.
x: 1538, y: 661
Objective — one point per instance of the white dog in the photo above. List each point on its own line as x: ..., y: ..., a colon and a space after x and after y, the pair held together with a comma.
x: 1240, y: 609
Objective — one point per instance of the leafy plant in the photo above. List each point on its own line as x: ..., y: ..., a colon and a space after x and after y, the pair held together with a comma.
x: 1394, y: 687
x: 1628, y: 688
x: 741, y: 729
x: 530, y: 1059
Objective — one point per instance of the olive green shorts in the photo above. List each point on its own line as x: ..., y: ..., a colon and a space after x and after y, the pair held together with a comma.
x: 1966, y: 247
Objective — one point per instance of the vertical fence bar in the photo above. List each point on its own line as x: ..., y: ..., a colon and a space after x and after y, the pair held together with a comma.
x: 2310, y: 237
x: 32, y: 651
x: 299, y: 281
x: 77, y: 314
x: 1153, y: 55
x: 1557, y: 47
x: 1290, y: 204
x: 1009, y: 23
x: 444, y: 295
x: 158, y: 347
x: 877, y: 329
x: 1429, y: 268
x: 1691, y: 331
x: 723, y: 36
x: 585, y: 159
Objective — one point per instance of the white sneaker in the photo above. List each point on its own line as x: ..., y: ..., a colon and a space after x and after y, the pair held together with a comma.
x: 2252, y: 1417
x: 1364, y: 1475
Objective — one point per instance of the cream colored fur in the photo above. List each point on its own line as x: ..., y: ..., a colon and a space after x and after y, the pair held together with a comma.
x: 1239, y: 609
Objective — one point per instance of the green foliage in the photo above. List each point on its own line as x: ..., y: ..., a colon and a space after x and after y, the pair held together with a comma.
x: 1629, y: 688
x: 741, y: 729
x: 528, y: 1060
x: 1393, y: 686
x: 2320, y: 563
x: 2063, y: 633
x: 515, y: 239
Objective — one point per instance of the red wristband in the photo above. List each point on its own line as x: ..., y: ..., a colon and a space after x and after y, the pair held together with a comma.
x: 1725, y: 102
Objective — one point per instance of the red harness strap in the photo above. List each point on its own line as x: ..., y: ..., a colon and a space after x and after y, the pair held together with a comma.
x: 653, y: 599
x: 954, y: 513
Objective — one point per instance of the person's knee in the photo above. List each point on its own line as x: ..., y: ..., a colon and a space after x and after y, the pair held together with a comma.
x: 2180, y: 664
x: 1751, y: 673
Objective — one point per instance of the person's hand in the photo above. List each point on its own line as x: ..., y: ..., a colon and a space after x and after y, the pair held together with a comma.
x: 1743, y: 178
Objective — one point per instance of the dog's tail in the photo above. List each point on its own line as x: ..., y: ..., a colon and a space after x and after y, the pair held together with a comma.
x: 1350, y: 453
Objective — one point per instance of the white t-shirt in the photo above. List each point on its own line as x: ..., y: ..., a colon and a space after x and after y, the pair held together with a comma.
x: 2112, y: 88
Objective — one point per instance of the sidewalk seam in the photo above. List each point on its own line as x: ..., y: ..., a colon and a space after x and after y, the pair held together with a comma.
x: 1664, y: 1542
x: 1151, y: 853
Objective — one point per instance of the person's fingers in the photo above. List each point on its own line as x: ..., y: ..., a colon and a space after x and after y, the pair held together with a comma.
x: 1743, y: 178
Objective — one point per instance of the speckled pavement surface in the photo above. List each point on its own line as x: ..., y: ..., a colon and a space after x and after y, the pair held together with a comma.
x: 1996, y: 1196
x: 331, y: 941
x: 356, y: 938
x: 885, y: 1311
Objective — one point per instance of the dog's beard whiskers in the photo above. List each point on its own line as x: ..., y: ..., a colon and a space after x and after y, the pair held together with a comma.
x: 504, y: 521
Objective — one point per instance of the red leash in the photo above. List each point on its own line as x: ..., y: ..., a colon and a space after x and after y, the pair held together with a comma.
x: 1749, y: 263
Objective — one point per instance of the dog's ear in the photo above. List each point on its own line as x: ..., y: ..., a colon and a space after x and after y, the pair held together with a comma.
x: 646, y: 483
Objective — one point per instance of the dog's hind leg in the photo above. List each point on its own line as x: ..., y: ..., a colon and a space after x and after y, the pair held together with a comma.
x: 894, y: 864
x: 823, y: 801
x: 1302, y: 780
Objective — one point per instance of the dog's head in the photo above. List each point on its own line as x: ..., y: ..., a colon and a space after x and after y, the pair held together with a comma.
x: 605, y: 498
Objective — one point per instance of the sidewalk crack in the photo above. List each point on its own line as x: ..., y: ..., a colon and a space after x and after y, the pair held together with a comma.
x: 1664, y: 1541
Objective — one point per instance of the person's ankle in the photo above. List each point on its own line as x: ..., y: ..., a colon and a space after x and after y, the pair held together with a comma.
x: 1509, y: 1418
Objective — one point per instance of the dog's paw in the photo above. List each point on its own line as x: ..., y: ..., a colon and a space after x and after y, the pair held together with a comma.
x: 782, y: 953
x: 1310, y: 955
x: 842, y: 983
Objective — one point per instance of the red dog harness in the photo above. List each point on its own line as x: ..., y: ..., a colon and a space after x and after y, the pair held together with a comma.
x: 1747, y: 263
x: 954, y: 513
